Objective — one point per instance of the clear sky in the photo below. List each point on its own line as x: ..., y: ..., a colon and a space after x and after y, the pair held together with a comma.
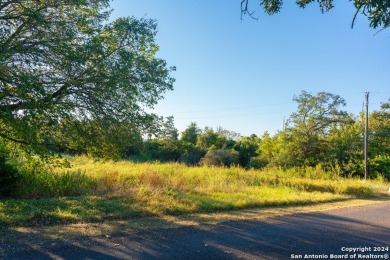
x: 242, y: 75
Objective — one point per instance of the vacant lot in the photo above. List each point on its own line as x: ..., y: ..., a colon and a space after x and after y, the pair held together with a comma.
x: 92, y: 191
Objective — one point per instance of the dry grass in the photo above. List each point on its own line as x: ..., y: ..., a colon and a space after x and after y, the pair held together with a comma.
x: 93, y: 191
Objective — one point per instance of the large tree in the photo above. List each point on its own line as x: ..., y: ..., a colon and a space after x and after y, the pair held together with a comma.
x: 318, y: 114
x: 377, y: 11
x: 62, y: 60
x: 317, y: 117
x: 305, y: 140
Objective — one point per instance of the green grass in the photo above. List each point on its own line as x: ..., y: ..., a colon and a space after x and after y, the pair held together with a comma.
x: 93, y: 191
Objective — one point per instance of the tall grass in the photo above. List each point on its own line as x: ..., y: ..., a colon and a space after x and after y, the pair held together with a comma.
x: 125, y: 189
x: 88, y: 177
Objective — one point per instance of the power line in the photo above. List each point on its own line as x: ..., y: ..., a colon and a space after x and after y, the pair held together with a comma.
x: 231, y: 108
x: 240, y: 115
x: 263, y: 105
x: 251, y: 114
x: 355, y: 105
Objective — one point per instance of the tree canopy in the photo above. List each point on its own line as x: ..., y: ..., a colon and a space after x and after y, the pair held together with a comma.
x: 62, y: 61
x: 318, y: 114
x: 377, y: 11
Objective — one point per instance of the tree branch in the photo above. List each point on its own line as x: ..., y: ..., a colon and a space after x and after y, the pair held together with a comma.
x: 14, y: 140
x: 244, y: 10
x: 354, y: 17
x: 41, y: 144
x: 379, y: 31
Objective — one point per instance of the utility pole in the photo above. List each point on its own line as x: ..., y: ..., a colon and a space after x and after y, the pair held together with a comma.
x: 366, y: 140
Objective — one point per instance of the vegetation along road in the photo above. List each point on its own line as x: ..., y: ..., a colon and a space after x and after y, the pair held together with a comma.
x: 92, y: 166
x: 361, y: 232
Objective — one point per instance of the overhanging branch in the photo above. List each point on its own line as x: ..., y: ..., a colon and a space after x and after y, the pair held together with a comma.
x: 245, y: 10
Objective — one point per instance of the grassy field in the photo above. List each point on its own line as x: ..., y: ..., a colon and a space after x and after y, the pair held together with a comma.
x: 93, y: 191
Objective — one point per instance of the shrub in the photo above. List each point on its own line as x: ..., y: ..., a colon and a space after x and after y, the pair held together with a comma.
x: 353, y: 167
x: 257, y: 163
x: 220, y: 158
x: 380, y: 165
x: 163, y: 150
x: 8, y: 173
x: 191, y: 154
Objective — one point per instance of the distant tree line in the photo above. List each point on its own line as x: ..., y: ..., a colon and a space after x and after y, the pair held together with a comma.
x: 319, y: 132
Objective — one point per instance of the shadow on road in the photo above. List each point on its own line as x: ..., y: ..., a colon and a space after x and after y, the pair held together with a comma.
x: 300, y: 234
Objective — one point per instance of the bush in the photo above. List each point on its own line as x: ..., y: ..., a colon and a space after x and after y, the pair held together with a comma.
x: 257, y: 163
x: 163, y: 150
x: 8, y: 173
x: 220, y: 158
x: 380, y: 165
x: 353, y: 168
x: 191, y: 154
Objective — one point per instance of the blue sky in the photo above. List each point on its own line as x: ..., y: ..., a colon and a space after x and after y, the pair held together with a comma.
x: 242, y: 75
